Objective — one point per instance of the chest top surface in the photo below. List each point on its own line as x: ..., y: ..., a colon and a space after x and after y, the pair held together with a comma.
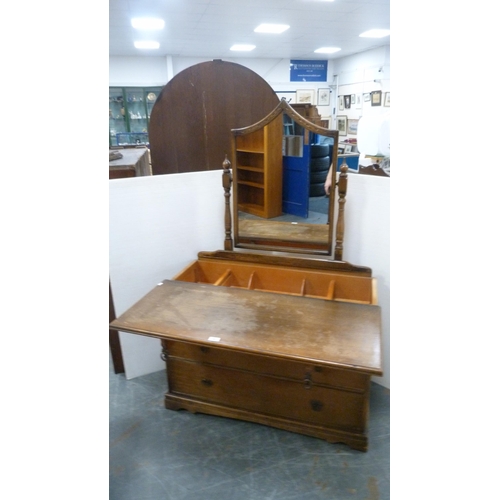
x: 323, y: 332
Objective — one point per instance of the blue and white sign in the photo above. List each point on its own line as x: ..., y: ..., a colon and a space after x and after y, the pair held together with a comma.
x: 308, y: 71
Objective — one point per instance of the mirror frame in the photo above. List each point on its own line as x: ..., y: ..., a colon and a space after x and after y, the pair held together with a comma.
x: 284, y: 245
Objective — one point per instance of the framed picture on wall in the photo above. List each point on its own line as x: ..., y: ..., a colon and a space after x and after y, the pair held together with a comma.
x: 387, y: 99
x: 359, y: 101
x: 376, y: 97
x: 342, y: 124
x: 326, y: 121
x: 352, y: 126
x: 341, y: 103
x: 347, y: 101
x: 305, y: 96
x: 323, y: 97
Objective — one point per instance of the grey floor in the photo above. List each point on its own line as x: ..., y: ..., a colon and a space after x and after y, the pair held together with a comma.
x: 159, y: 454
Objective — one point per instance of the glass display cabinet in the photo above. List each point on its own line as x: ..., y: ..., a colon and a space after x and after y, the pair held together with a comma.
x: 117, y: 120
x: 129, y: 113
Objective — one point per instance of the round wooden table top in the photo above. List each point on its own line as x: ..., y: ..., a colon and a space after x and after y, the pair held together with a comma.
x: 191, y: 121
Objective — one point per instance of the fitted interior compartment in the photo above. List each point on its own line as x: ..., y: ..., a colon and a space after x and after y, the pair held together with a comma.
x: 292, y: 281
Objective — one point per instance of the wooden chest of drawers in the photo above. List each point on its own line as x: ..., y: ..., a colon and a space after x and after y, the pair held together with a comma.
x: 269, y: 341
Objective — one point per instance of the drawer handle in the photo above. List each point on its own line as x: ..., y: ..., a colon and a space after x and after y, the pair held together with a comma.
x: 307, y: 381
x: 316, y: 405
x: 164, y: 354
x: 204, y: 349
x: 206, y: 382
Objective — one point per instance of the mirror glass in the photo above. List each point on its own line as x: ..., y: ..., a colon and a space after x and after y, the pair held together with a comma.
x: 280, y: 166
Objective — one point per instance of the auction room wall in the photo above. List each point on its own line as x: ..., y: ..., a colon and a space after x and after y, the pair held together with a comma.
x: 342, y: 74
x: 359, y: 75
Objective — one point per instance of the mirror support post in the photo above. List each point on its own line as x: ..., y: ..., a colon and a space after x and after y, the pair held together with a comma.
x: 226, y: 184
x: 339, y: 233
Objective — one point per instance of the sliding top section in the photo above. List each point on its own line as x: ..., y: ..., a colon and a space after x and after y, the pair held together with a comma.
x: 321, y: 332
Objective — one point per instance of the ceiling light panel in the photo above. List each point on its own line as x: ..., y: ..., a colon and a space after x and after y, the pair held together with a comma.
x: 375, y: 33
x: 327, y: 50
x: 242, y: 47
x: 271, y: 28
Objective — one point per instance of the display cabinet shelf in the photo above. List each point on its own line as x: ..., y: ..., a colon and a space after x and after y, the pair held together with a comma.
x: 126, y: 138
x: 129, y: 112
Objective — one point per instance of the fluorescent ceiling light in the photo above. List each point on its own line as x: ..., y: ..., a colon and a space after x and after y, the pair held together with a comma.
x: 242, y: 47
x: 147, y: 45
x: 327, y: 50
x: 145, y: 23
x: 375, y: 33
x: 271, y: 28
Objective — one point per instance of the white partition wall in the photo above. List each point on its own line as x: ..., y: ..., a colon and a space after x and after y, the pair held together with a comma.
x: 367, y: 243
x: 159, y: 224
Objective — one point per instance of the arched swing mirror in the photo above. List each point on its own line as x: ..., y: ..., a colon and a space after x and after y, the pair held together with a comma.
x: 279, y: 166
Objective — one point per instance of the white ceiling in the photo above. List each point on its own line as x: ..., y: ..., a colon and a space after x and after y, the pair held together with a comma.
x: 208, y: 28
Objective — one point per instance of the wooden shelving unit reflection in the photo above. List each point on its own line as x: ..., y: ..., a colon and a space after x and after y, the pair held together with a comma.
x: 258, y: 168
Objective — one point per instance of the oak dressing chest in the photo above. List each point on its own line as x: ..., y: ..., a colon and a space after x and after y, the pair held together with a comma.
x: 289, y: 341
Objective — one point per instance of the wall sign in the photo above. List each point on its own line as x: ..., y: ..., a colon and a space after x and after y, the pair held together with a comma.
x: 308, y: 71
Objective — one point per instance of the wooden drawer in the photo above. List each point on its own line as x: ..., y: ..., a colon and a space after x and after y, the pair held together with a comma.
x: 305, y: 373
x: 269, y: 395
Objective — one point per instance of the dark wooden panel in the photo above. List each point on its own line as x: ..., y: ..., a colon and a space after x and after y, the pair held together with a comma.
x: 120, y: 173
x: 191, y: 121
x: 114, y: 339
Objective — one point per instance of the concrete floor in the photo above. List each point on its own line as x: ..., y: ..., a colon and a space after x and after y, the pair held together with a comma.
x: 159, y: 454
